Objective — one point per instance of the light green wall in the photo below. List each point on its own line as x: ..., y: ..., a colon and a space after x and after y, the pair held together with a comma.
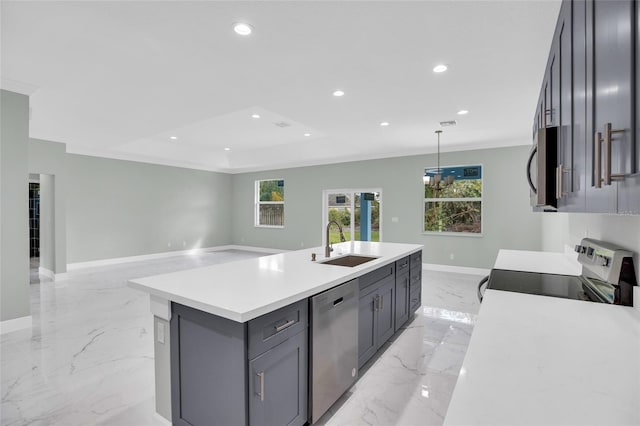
x: 508, y: 219
x: 121, y: 208
x: 48, y: 159
x: 14, y: 203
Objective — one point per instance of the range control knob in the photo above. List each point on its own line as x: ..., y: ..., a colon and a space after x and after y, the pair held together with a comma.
x: 578, y: 248
x: 605, y: 261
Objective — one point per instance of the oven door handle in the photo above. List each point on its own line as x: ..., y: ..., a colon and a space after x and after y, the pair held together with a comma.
x: 529, y: 161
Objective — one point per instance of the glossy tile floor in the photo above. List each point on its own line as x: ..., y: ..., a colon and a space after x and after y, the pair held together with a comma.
x: 88, y: 359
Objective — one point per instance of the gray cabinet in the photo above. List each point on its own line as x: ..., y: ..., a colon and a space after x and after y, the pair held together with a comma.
x: 229, y: 373
x: 610, y: 68
x: 590, y: 91
x: 278, y: 384
x: 376, y: 317
x: 402, y: 299
x: 402, y: 292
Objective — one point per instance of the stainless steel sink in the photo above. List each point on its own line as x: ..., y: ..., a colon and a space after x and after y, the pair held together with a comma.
x: 349, y: 260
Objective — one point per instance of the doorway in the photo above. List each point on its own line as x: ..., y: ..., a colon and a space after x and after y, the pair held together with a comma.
x: 34, y: 228
x: 357, y: 210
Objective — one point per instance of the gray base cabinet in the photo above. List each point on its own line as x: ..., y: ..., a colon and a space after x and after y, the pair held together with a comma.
x: 402, y: 292
x: 278, y: 383
x: 376, y: 317
x: 229, y: 373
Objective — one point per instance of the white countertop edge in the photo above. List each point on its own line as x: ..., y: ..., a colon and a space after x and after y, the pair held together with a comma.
x: 250, y: 314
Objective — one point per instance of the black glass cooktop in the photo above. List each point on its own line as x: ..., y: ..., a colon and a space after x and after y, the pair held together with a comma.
x: 564, y: 286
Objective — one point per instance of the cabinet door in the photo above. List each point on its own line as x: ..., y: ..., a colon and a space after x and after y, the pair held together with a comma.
x: 575, y: 198
x: 402, y: 299
x: 367, y: 326
x: 629, y: 196
x: 386, y: 309
x: 609, y: 46
x: 278, y: 387
x: 564, y: 87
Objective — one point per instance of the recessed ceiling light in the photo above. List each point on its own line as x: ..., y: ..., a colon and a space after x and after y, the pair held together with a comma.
x: 173, y: 137
x: 440, y: 68
x: 463, y: 112
x: 227, y: 149
x: 338, y: 93
x: 255, y: 115
x: 307, y: 134
x: 384, y: 124
x: 242, y: 28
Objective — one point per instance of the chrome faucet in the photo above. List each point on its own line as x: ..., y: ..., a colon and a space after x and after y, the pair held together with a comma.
x: 328, y: 249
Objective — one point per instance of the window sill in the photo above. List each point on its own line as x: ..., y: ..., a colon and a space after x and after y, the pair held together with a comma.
x: 454, y: 234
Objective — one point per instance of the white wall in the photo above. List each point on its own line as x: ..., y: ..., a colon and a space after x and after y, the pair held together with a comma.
x: 567, y: 229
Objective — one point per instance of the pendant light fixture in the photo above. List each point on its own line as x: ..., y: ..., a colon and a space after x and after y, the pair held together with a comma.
x: 433, y: 178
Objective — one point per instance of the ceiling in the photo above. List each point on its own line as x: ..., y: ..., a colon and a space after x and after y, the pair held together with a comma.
x: 119, y: 79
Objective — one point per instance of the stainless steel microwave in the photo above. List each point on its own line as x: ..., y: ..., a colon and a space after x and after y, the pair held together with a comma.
x: 541, y: 169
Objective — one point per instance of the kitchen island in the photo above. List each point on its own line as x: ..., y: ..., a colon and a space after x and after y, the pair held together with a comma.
x: 233, y: 324
x: 538, y: 360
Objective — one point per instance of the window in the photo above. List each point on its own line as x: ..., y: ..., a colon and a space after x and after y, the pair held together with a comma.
x: 270, y: 203
x: 453, y: 200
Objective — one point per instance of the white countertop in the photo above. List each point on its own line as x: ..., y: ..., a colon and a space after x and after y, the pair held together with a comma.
x: 244, y: 290
x: 539, y: 261
x: 538, y: 360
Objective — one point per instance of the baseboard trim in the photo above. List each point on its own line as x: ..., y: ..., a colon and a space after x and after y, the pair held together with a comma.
x: 15, y: 324
x: 162, y: 419
x: 46, y: 272
x: 256, y: 249
x: 456, y: 269
x: 140, y: 258
x: 50, y: 274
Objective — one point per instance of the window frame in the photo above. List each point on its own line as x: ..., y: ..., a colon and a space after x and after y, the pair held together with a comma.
x: 258, y: 203
x: 469, y: 199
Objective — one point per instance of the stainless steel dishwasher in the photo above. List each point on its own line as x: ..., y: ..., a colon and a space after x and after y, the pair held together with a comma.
x: 334, y: 345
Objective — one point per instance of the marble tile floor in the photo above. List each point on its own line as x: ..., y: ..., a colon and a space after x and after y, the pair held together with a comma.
x: 88, y: 359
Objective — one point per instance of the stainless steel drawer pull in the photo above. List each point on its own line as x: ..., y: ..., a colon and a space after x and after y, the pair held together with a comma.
x: 285, y: 325
x: 261, y: 393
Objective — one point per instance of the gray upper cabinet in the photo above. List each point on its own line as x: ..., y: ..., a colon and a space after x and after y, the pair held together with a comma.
x: 589, y: 93
x: 610, y: 44
x: 629, y: 188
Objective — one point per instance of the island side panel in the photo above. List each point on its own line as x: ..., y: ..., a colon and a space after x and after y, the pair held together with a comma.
x: 162, y: 356
x: 208, y: 369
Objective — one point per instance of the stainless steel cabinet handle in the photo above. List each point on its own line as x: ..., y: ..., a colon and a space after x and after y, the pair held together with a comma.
x: 381, y: 302
x: 597, y: 161
x: 560, y: 171
x: 285, y: 325
x: 261, y: 393
x: 608, y: 138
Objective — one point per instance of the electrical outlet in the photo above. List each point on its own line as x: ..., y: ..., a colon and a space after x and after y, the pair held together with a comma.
x: 301, y: 243
x: 169, y: 245
x: 184, y: 244
x: 451, y: 256
x: 395, y: 219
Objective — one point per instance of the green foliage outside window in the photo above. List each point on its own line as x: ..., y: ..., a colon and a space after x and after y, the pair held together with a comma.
x: 444, y: 213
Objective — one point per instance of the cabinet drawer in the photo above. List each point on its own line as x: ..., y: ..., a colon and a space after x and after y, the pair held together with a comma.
x: 377, y: 275
x: 416, y: 259
x: 415, y: 300
x: 273, y: 328
x: 415, y: 278
x: 402, y: 265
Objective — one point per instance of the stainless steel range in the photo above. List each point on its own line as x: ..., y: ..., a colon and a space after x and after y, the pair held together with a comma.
x: 608, y: 276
